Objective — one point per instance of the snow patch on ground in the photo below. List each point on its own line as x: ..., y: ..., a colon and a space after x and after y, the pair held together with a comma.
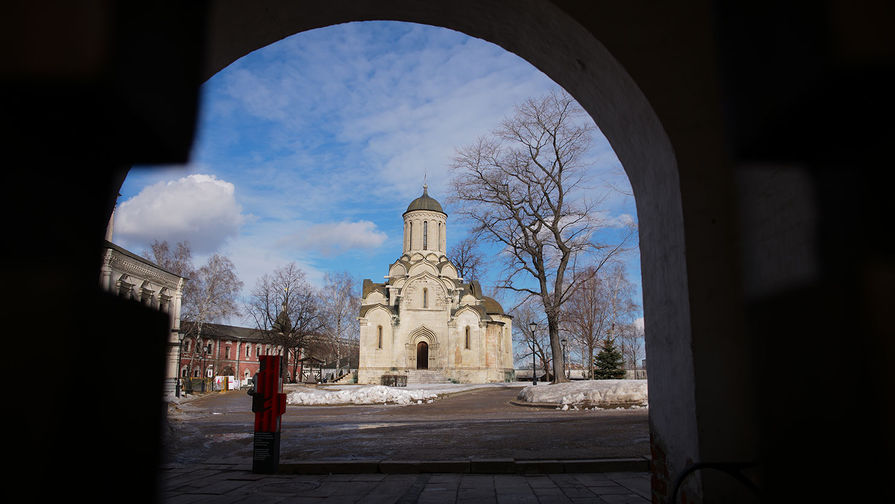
x: 376, y: 394
x: 589, y: 393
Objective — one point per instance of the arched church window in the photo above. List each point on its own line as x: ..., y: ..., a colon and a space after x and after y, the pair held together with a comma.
x: 438, y: 245
x: 467, y: 338
x: 425, y: 298
x: 379, y: 339
x: 425, y: 235
x: 411, y: 235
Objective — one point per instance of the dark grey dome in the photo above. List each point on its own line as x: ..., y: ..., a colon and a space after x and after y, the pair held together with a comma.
x: 425, y: 202
x: 491, y: 305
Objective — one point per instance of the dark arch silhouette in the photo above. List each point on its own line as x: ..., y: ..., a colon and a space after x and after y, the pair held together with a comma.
x: 719, y: 112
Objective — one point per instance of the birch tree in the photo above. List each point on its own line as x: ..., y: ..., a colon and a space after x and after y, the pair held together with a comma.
x: 340, y: 303
x: 598, y: 308
x: 210, y: 293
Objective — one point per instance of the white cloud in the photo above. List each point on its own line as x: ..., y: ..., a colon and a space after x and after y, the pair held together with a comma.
x: 638, y: 323
x: 200, y: 209
x: 335, y: 238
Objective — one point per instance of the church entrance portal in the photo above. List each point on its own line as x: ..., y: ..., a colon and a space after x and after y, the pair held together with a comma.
x: 422, y: 355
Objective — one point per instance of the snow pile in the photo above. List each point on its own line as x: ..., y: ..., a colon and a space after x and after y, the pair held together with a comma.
x: 599, y: 393
x: 373, y: 394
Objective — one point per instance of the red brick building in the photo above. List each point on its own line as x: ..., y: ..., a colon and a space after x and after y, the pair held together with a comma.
x: 223, y: 350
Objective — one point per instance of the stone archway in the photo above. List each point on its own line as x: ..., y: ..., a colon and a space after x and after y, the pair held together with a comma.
x: 422, y: 355
x: 422, y: 337
x: 571, y: 54
x: 561, y: 39
x: 140, y: 67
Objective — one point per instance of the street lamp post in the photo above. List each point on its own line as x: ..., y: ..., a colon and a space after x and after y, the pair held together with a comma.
x: 204, y: 357
x: 564, y: 365
x: 179, y: 363
x: 534, y: 376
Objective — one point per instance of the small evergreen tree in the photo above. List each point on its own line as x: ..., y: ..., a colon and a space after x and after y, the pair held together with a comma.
x: 608, y: 362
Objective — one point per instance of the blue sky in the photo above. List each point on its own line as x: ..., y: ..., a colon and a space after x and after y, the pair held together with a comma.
x: 310, y: 149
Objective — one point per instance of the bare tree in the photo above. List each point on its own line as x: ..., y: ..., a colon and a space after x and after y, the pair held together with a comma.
x: 519, y: 188
x: 601, y: 304
x: 286, y: 312
x: 526, y: 342
x: 210, y: 294
x: 216, y: 291
x: 466, y: 256
x: 340, y: 304
x: 630, y: 337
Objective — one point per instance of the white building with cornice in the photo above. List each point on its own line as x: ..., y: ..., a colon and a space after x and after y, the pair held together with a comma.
x: 133, y: 277
x: 426, y: 322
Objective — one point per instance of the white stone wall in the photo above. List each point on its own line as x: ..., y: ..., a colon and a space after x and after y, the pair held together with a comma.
x: 418, y: 221
x: 125, y: 274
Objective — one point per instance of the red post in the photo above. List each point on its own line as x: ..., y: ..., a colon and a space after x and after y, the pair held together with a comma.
x: 268, y: 404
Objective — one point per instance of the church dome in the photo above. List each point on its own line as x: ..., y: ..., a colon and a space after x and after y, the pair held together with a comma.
x: 491, y: 305
x: 425, y: 202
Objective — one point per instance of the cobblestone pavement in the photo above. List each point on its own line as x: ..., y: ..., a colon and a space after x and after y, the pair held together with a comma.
x: 220, y: 483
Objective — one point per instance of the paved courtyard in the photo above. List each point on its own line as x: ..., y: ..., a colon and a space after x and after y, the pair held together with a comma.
x: 220, y: 483
x: 475, y: 424
x: 369, y: 448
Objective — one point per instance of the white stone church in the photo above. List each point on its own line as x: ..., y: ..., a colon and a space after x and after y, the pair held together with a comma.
x: 426, y: 322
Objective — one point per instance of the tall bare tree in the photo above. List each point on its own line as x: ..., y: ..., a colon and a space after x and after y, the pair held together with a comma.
x: 520, y: 188
x: 209, y: 295
x: 465, y: 255
x: 340, y: 304
x: 286, y: 311
x: 600, y: 305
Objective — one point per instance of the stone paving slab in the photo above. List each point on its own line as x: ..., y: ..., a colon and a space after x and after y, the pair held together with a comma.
x: 473, y: 466
x: 221, y: 484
